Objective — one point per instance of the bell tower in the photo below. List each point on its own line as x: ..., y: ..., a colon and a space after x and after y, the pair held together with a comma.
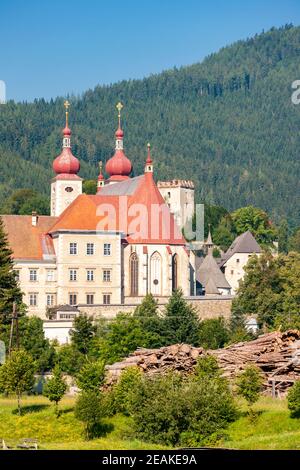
x: 66, y: 185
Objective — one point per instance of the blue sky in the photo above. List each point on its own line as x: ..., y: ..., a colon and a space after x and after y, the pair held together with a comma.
x: 50, y: 47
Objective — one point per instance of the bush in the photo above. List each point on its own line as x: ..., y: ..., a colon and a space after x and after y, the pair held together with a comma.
x: 207, y: 366
x: 175, y: 411
x: 293, y: 399
x: 91, y: 376
x: 249, y: 384
x: 213, y: 333
x: 69, y: 359
x: 55, y: 388
x: 123, y: 392
x: 88, y: 409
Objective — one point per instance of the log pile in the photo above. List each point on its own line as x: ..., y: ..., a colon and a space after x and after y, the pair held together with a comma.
x: 276, y: 354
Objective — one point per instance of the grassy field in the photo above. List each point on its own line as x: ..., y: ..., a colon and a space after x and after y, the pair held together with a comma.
x: 273, y: 428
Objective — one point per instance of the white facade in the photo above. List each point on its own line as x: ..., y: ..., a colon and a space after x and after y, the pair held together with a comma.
x: 64, y: 192
x: 234, y: 269
x: 180, y: 197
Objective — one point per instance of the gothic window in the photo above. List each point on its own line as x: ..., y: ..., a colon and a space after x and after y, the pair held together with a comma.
x: 155, y: 274
x: 174, y: 272
x: 134, y: 274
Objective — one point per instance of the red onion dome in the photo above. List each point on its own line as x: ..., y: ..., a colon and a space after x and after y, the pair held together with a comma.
x: 67, y: 131
x: 66, y: 163
x: 119, y: 165
x: 119, y: 133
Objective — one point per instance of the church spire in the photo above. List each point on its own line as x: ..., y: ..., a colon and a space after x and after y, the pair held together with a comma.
x: 101, y: 180
x: 118, y: 166
x: 149, y: 162
x: 66, y: 162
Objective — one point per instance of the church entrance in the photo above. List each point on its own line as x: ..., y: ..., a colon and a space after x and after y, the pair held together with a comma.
x: 155, y: 274
x: 174, y: 272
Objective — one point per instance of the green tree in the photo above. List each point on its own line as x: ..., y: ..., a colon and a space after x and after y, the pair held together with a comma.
x: 224, y: 233
x: 25, y: 201
x: 283, y: 237
x: 294, y: 241
x: 82, y: 333
x: 207, y: 367
x: 69, y: 359
x: 249, y: 385
x: 89, y: 186
x: 55, y: 388
x: 17, y: 374
x: 257, y: 221
x: 89, y: 411
x: 149, y: 320
x: 123, y: 392
x: 9, y: 289
x: 91, y: 376
x: 293, y: 399
x: 180, y: 324
x: 213, y: 333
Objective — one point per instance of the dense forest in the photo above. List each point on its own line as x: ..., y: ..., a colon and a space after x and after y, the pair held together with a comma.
x: 227, y: 123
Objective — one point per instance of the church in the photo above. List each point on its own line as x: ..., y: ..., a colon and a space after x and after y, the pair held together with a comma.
x: 107, y: 249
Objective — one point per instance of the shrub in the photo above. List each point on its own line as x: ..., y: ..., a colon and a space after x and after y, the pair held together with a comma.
x: 249, y: 385
x: 293, y: 399
x: 55, y: 388
x: 124, y: 390
x: 175, y: 411
x: 88, y: 409
x: 213, y: 333
x: 69, y: 359
x: 91, y: 376
x: 207, y: 366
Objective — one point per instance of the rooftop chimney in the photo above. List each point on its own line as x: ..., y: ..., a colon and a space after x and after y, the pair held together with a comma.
x: 34, y: 219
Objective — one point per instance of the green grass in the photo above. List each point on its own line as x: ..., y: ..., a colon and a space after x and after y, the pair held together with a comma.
x: 38, y: 421
x: 273, y: 428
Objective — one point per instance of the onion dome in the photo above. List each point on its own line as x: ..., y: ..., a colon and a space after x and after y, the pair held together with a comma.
x: 119, y: 166
x: 66, y: 162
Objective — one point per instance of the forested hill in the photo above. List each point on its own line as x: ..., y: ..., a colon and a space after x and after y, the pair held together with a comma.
x: 228, y: 123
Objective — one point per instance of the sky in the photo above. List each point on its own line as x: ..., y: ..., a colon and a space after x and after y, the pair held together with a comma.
x: 52, y: 48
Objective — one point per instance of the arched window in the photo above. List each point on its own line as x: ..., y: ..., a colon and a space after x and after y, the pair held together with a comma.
x: 134, y: 274
x: 174, y: 272
x: 155, y: 274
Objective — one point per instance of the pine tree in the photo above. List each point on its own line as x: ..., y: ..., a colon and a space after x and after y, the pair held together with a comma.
x: 9, y: 289
x: 181, y: 324
x: 82, y: 333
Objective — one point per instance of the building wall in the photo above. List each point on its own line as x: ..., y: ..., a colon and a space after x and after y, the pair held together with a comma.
x: 234, y: 269
x: 180, y: 198
x: 62, y: 198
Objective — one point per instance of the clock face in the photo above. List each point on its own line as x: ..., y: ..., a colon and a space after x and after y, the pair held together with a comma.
x: 68, y: 189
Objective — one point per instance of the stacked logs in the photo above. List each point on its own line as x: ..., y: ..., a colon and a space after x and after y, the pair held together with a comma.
x: 276, y: 354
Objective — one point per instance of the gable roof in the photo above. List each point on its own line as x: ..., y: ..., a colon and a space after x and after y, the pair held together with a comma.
x: 28, y: 241
x: 244, y: 243
x: 134, y: 207
x: 209, y: 274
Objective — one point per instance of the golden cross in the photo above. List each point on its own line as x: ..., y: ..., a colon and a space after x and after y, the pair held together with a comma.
x: 66, y: 105
x: 119, y: 107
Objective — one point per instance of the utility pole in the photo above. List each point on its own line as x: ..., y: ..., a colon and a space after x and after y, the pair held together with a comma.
x: 14, y: 324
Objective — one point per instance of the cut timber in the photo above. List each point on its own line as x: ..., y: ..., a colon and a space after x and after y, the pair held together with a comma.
x: 276, y: 354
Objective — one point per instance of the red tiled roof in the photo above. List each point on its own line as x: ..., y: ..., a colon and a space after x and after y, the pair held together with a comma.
x: 27, y: 241
x: 143, y: 216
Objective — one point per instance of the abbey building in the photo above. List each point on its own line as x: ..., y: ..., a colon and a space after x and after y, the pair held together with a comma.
x: 111, y: 248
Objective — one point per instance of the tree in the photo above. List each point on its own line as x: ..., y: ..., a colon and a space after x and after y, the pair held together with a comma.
x: 149, y: 320
x: 249, y: 385
x: 271, y: 290
x: 91, y: 376
x: 213, y: 333
x: 55, y: 388
x: 88, y: 410
x: 9, y: 289
x: 207, y: 366
x: 17, y: 374
x: 32, y: 339
x: 123, y: 392
x: 180, y: 323
x: 257, y: 221
x: 82, y: 333
x: 293, y: 399
x: 283, y: 235
x: 24, y: 201
x: 89, y: 186
x: 224, y: 233
x: 294, y: 241
x: 70, y: 360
